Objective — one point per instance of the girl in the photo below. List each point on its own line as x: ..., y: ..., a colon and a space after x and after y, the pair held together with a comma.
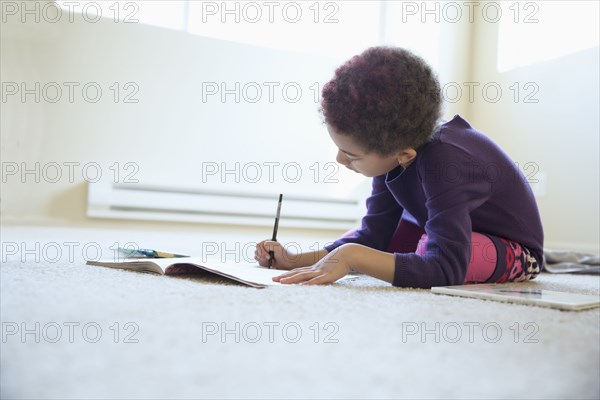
x: 447, y: 207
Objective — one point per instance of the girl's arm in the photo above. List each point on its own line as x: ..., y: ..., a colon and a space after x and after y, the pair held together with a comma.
x: 339, y: 262
x: 375, y: 263
x: 284, y: 259
x: 377, y: 227
x: 310, y: 258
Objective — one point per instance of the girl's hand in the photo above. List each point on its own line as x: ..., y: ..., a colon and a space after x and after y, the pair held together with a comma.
x: 282, y: 260
x: 329, y: 269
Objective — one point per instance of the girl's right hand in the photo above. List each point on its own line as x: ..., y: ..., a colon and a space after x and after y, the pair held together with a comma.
x: 282, y: 258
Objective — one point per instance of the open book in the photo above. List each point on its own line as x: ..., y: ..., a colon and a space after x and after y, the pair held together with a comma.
x: 248, y: 274
x: 523, y: 295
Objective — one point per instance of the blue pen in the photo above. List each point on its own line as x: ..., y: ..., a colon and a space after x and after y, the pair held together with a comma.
x: 149, y: 253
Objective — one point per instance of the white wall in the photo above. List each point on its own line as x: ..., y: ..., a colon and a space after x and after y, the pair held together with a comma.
x: 170, y: 134
x: 558, y: 135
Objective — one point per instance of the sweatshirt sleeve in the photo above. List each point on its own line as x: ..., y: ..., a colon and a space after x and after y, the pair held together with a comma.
x: 452, y: 190
x: 380, y: 222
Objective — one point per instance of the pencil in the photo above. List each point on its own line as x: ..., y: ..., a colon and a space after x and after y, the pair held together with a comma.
x: 275, y: 228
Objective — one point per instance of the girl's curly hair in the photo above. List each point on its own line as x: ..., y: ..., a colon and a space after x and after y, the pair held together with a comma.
x: 387, y: 99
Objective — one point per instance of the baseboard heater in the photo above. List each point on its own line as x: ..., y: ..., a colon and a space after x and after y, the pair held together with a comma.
x: 161, y: 203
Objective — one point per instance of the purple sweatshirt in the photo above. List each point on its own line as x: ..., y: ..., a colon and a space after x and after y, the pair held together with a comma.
x: 459, y: 182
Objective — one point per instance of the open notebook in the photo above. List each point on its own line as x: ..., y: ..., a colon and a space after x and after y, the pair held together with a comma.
x: 248, y: 274
x: 522, y: 295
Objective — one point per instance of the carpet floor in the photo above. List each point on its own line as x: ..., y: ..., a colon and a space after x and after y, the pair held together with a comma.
x: 72, y: 331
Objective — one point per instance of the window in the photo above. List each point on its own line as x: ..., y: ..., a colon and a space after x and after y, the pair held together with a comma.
x: 166, y: 14
x: 332, y: 28
x: 532, y: 32
x: 325, y: 27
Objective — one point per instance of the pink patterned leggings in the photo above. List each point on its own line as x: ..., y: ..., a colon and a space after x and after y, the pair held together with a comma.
x: 493, y: 259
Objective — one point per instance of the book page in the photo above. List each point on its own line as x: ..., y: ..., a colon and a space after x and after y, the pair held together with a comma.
x: 249, y: 273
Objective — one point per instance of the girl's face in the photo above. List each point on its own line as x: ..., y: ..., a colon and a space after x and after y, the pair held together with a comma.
x: 353, y: 157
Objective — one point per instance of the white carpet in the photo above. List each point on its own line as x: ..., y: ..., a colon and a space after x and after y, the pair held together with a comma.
x: 512, y: 351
